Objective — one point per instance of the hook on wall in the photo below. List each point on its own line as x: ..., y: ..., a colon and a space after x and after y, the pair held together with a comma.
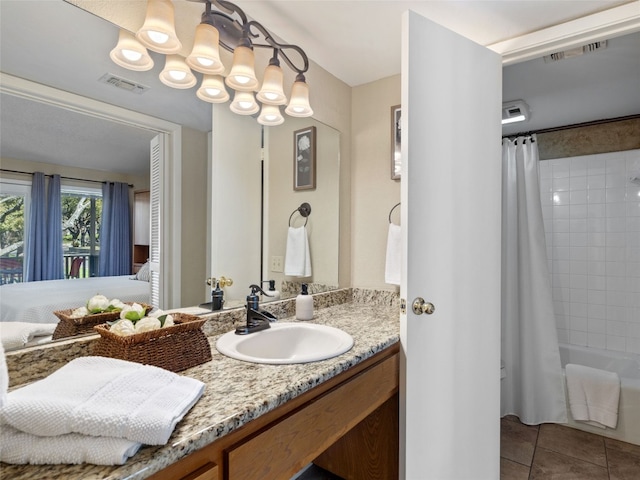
x: 304, y: 210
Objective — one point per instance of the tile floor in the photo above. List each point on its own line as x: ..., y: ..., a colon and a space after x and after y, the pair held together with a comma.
x: 551, y: 452
x: 557, y: 452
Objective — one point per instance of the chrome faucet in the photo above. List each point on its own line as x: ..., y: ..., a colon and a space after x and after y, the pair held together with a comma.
x: 256, y: 319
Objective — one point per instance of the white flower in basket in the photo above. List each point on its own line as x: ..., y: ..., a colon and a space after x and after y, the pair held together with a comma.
x: 98, y: 304
x: 132, y: 312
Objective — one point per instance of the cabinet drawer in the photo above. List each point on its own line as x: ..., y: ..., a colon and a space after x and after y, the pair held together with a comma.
x: 286, y: 446
x: 206, y: 472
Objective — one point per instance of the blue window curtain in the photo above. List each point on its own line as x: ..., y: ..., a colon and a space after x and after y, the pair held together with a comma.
x: 35, y: 251
x: 43, y: 252
x: 115, y: 230
x: 54, y: 258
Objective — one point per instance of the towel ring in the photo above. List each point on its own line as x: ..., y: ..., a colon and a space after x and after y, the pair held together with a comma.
x: 304, y: 210
x: 391, y: 211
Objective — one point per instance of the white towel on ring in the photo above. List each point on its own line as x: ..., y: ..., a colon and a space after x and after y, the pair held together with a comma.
x: 21, y: 448
x: 297, y: 260
x: 593, y: 394
x: 102, y: 396
x: 393, y: 263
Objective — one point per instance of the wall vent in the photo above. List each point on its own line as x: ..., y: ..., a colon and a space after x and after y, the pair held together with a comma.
x: 123, y: 83
x: 575, y: 52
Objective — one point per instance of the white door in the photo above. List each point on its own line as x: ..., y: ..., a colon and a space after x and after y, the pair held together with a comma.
x: 451, y: 191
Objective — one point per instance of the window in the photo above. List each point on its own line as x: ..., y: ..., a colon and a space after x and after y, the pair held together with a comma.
x: 14, y: 208
x: 81, y: 211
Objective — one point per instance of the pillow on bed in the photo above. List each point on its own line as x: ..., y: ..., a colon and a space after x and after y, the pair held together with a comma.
x: 144, y: 273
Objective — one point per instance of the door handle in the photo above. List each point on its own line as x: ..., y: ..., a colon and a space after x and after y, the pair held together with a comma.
x: 420, y: 307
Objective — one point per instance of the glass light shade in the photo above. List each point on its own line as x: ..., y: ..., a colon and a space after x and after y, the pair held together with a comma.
x: 158, y: 33
x: 242, y: 76
x: 299, y: 103
x: 244, y: 103
x: 270, y: 115
x: 205, y: 56
x: 272, y: 92
x: 176, y: 73
x: 130, y: 53
x: 212, y: 89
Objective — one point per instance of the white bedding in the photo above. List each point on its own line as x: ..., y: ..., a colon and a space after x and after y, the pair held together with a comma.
x: 35, y: 302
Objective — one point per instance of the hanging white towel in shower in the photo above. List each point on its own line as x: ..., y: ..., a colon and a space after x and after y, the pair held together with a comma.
x: 297, y: 260
x: 593, y: 395
x: 393, y: 262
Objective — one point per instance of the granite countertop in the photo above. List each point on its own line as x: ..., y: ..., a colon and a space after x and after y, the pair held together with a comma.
x: 238, y: 392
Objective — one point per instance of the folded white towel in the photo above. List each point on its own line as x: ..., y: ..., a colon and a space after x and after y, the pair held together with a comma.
x: 393, y: 264
x: 593, y: 394
x: 297, y: 260
x: 104, y: 397
x: 18, y: 334
x: 20, y: 448
x: 4, y: 377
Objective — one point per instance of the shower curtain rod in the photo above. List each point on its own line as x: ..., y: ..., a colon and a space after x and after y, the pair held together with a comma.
x: 575, y: 125
x: 61, y: 176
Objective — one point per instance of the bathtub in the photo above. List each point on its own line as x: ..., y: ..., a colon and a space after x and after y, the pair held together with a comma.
x: 627, y: 366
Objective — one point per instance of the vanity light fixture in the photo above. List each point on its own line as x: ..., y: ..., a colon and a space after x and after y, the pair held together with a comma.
x: 158, y: 33
x: 224, y: 24
x: 176, y: 73
x: 130, y: 53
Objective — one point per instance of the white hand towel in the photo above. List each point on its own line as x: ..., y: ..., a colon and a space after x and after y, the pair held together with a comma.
x: 593, y: 394
x: 18, y: 334
x: 393, y: 262
x: 21, y: 448
x: 4, y: 378
x: 104, y: 397
x: 297, y: 260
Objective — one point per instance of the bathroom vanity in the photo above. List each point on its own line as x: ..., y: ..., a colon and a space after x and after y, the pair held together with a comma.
x: 269, y: 421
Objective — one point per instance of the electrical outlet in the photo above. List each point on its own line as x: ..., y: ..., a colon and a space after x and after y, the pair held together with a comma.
x: 277, y: 264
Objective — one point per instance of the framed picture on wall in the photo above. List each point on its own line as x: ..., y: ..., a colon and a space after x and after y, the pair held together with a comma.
x: 304, y: 159
x: 396, y: 151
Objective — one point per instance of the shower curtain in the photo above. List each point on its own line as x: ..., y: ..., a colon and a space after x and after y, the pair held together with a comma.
x: 533, y: 388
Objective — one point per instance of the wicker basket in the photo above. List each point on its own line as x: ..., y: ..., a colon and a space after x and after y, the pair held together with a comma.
x: 69, y: 327
x: 174, y: 348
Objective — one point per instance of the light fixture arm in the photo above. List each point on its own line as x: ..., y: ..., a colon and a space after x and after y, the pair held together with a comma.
x: 279, y: 47
x: 237, y: 31
x: 229, y: 8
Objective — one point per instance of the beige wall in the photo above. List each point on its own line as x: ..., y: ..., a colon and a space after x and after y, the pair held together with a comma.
x: 331, y: 100
x: 194, y: 209
x: 373, y: 193
x: 323, y: 223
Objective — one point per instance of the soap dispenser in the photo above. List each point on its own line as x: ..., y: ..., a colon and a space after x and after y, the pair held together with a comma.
x: 217, y: 298
x: 304, y: 304
x: 272, y: 293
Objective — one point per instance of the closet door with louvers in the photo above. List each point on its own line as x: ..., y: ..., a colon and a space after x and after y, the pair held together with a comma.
x: 157, y: 161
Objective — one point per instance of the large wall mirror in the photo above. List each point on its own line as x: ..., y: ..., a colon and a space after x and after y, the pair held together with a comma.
x: 257, y: 213
x: 253, y: 202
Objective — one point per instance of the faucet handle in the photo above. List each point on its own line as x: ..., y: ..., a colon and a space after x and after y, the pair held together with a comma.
x: 222, y: 282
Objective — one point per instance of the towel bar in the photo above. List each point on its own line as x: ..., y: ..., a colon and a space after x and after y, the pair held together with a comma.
x: 391, y: 211
x: 304, y: 210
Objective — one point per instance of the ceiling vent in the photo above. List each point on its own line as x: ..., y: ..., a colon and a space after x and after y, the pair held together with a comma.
x: 514, y: 111
x: 575, y: 52
x: 123, y: 83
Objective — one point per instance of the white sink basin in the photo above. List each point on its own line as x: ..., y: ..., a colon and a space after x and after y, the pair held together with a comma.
x: 286, y: 343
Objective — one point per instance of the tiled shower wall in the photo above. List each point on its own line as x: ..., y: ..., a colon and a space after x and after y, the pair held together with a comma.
x: 591, y: 214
